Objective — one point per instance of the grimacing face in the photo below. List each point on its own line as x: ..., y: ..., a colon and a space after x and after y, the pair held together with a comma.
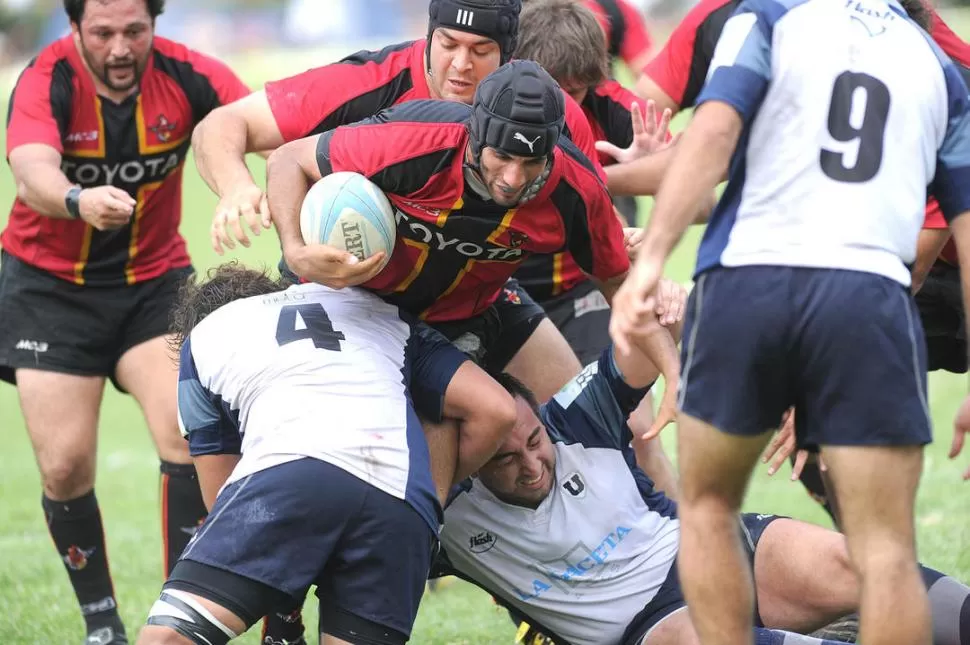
x: 523, y: 470
x: 507, y: 176
x: 115, y: 39
x: 459, y: 61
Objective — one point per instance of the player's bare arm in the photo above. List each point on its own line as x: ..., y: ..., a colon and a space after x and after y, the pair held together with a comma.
x: 699, y: 162
x: 928, y: 247
x: 42, y: 185
x: 960, y: 227
x: 648, y: 89
x: 219, y: 144
x: 290, y: 171
x: 639, y: 177
x: 213, y: 471
x: 486, y: 415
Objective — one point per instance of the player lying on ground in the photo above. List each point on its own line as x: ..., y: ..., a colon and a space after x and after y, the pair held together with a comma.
x: 566, y: 529
x: 313, y: 437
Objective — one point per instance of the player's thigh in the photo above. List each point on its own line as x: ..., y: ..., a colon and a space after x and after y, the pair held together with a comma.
x: 735, y: 357
x: 876, y: 488
x: 582, y: 315
x: 675, y: 629
x: 664, y: 620
x: 277, y: 528
x: 372, y: 586
x: 61, y: 414
x: 802, y: 573
x: 146, y: 359
x: 861, y: 361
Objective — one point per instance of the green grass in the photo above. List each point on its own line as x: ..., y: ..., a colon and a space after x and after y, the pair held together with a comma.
x: 38, y: 605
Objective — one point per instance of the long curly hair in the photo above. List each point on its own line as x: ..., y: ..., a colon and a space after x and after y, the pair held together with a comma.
x: 222, y: 284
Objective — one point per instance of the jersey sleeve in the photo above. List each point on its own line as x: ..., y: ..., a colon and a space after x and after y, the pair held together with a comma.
x: 593, y: 407
x: 201, y: 419
x: 594, y: 236
x: 951, y: 184
x: 617, y: 101
x: 38, y: 110
x: 741, y: 67
x: 636, y: 38
x: 433, y: 361
x: 951, y: 44
x: 400, y: 148
x: 221, y: 85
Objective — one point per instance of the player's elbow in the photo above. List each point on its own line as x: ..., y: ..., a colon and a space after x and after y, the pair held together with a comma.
x: 487, y: 422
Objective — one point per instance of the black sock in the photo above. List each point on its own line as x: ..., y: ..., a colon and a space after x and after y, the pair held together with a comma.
x: 950, y: 605
x: 75, y: 526
x: 284, y: 625
x: 182, y: 509
x: 811, y: 479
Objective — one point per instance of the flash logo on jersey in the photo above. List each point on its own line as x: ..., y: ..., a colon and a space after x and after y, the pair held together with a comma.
x: 575, y: 485
x: 482, y: 542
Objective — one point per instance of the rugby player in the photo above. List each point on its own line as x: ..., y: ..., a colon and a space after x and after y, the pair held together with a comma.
x: 674, y: 78
x: 566, y: 529
x: 98, y: 130
x: 312, y: 435
x: 449, y: 64
x: 846, y: 349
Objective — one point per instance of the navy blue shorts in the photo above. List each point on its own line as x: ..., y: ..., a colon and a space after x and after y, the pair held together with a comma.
x: 305, y: 523
x: 846, y: 348
x: 670, y: 597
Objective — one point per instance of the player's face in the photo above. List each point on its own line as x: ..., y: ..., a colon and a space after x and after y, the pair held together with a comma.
x: 577, y: 91
x: 507, y: 176
x: 459, y: 60
x: 524, y: 468
x: 115, y: 38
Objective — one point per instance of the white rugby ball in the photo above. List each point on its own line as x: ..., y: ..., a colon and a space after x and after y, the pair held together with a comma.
x: 348, y: 211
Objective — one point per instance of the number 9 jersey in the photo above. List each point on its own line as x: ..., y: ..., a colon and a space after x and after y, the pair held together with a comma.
x: 850, y: 112
x: 313, y: 372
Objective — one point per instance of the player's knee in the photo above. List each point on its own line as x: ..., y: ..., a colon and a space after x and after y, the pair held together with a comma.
x: 67, y: 476
x: 155, y: 635
x: 178, y: 617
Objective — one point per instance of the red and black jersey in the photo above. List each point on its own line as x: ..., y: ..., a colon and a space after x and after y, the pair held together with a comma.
x: 455, y: 250
x: 138, y: 145
x: 607, y: 108
x: 363, y: 84
x: 626, y: 31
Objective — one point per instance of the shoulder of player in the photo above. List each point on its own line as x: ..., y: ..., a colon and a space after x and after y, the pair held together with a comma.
x: 367, y: 68
x: 417, y: 127
x: 614, y: 92
x: 575, y: 166
x: 56, y: 58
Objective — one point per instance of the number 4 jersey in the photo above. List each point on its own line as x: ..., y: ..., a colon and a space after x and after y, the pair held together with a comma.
x: 313, y: 372
x: 840, y: 140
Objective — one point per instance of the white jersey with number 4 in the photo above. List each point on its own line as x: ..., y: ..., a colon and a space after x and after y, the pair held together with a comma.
x: 313, y: 372
x: 850, y: 112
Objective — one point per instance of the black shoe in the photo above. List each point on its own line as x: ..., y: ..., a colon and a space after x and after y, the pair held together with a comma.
x: 844, y: 630
x: 279, y: 629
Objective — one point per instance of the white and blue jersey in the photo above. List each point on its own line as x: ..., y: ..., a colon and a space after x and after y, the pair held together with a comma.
x: 599, y: 547
x: 313, y: 372
x: 851, y: 112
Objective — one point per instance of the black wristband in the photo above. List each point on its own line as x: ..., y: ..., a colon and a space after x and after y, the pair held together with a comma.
x: 72, y: 200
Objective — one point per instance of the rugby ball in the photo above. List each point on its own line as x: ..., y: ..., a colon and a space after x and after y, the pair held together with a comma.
x: 348, y: 211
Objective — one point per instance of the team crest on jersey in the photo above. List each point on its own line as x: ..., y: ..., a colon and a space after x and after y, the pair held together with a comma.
x: 481, y: 542
x: 575, y: 485
x: 163, y: 128
x: 76, y: 558
x: 517, y: 239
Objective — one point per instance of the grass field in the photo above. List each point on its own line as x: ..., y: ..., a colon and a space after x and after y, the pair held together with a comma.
x: 38, y: 606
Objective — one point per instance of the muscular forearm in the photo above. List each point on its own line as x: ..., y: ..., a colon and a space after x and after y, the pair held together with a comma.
x: 43, y: 187
x: 286, y: 187
x: 479, y: 438
x: 219, y: 145
x: 213, y: 471
x: 928, y: 248
x: 640, y: 177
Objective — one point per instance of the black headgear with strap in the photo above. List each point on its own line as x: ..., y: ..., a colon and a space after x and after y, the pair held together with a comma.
x: 495, y: 19
x: 518, y: 109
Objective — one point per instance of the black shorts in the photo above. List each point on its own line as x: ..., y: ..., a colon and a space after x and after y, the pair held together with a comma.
x: 494, y: 336
x: 940, y: 305
x: 273, y: 534
x: 583, y: 316
x: 58, y: 326
x: 670, y: 597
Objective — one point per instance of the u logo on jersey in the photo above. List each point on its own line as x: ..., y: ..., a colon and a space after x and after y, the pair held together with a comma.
x: 575, y: 485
